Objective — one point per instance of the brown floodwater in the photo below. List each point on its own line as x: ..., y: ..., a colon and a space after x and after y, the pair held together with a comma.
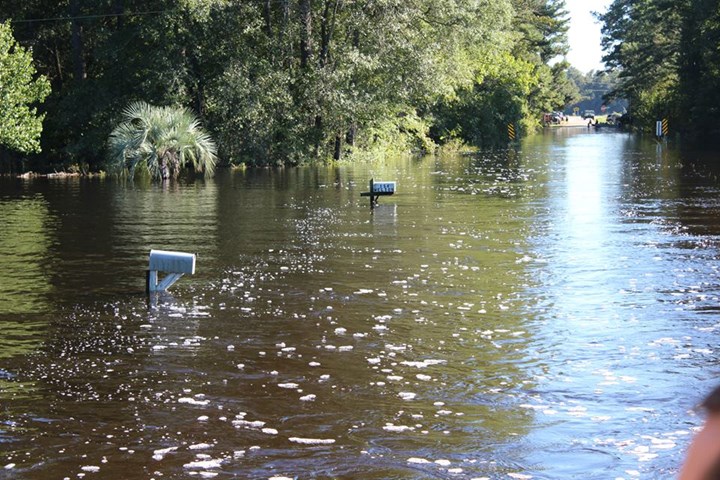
x: 546, y: 312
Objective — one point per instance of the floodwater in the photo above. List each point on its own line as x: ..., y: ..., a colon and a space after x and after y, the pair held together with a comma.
x: 548, y: 312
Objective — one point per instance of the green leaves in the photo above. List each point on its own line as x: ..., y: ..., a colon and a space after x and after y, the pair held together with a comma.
x: 286, y: 81
x: 161, y: 140
x: 20, y: 90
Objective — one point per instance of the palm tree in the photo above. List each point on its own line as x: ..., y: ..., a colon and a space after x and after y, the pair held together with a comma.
x: 162, y: 140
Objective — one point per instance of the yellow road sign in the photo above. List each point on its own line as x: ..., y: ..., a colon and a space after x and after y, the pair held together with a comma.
x: 511, y: 131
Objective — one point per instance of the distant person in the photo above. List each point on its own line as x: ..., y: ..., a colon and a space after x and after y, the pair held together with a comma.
x: 703, y: 457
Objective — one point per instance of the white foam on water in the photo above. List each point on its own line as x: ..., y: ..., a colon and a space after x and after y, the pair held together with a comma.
x: 407, y: 395
x: 312, y: 441
x: 417, y: 460
x: 288, y: 385
x: 9, y: 466
x: 443, y: 462
x: 423, y: 364
x: 308, y: 398
x: 280, y: 478
x: 192, y: 401
x: 204, y: 464
x: 269, y: 431
x: 203, y: 418
x: 314, y: 364
x: 662, y: 443
x: 340, y: 331
x: 397, y: 428
x: 424, y: 378
x: 373, y: 361
x: 345, y: 348
x: 200, y: 446
x: 90, y: 468
x: 160, y: 453
x: 394, y: 378
x: 248, y: 424
x: 519, y: 476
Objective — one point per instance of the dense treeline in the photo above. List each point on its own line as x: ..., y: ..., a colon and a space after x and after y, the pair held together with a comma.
x: 285, y: 81
x: 667, y: 57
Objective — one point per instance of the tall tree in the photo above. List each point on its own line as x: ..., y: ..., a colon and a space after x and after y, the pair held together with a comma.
x: 20, y: 92
x: 642, y: 41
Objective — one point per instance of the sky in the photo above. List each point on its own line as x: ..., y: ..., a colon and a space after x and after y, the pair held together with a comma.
x: 584, y: 35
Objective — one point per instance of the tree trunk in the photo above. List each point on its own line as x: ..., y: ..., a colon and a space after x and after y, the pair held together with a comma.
x: 305, y: 32
x: 318, y: 133
x: 268, y: 18
x: 77, y: 42
x: 118, y: 9
x: 326, y: 30
x: 58, y: 66
x: 338, y: 147
x: 350, y: 138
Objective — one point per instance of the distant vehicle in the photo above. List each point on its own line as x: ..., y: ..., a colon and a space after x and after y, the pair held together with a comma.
x: 588, y: 114
x: 553, y: 118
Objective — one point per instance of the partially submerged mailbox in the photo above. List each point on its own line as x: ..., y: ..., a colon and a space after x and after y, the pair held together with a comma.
x: 174, y: 264
x: 378, y: 189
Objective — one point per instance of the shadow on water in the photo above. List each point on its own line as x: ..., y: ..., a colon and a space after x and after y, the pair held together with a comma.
x: 539, y: 312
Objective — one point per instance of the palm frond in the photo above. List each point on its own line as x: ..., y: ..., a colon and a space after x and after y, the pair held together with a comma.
x: 149, y: 135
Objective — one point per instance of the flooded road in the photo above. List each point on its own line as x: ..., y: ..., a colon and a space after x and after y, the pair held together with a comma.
x: 547, y: 312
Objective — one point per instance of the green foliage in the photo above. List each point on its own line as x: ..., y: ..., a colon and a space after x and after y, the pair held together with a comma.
x: 160, y: 140
x: 668, y: 65
x: 287, y: 81
x: 514, y: 85
x: 481, y: 113
x: 20, y: 90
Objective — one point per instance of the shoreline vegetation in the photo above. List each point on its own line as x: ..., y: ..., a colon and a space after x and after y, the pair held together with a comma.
x: 289, y: 82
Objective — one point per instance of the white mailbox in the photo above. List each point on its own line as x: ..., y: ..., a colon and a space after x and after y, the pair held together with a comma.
x: 174, y: 264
